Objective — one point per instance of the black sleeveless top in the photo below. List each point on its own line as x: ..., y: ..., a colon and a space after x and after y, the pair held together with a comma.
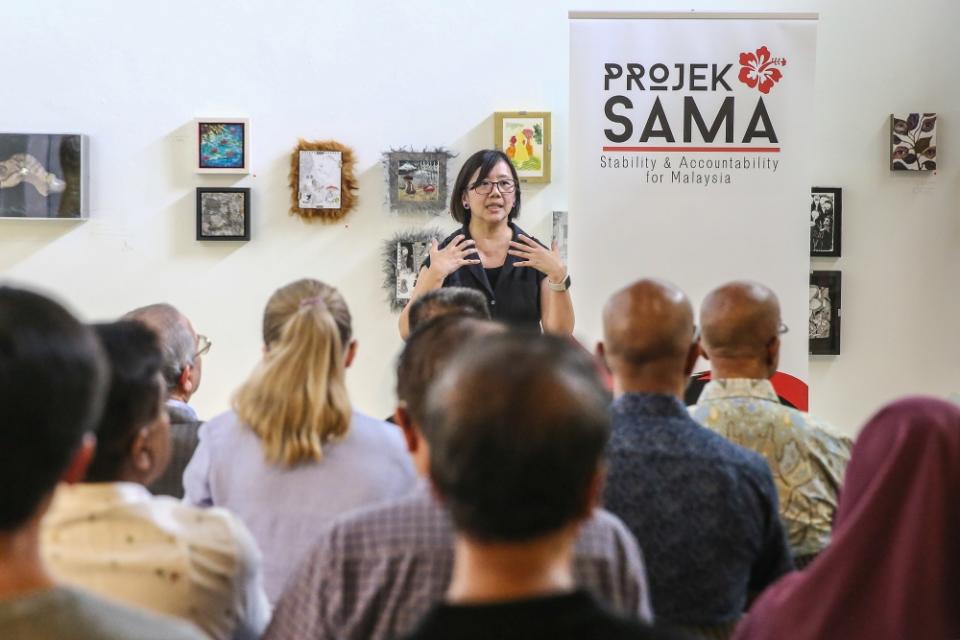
x: 514, y: 296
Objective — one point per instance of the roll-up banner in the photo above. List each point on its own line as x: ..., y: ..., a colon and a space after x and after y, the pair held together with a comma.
x: 690, y: 160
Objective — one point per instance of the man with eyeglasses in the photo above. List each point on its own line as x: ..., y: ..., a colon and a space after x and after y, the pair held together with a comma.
x: 183, y: 351
x: 703, y: 509
x: 741, y: 339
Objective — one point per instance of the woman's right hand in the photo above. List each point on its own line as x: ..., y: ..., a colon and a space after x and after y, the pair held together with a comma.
x: 445, y: 261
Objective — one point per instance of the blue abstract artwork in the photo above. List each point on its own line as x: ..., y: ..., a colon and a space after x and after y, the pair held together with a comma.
x: 222, y: 145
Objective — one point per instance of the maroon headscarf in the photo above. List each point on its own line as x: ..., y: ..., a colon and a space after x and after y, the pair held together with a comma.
x: 892, y: 569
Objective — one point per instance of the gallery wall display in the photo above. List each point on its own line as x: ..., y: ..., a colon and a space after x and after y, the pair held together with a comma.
x: 322, y: 182
x: 417, y: 180
x: 559, y: 235
x: 826, y: 207
x: 223, y: 213
x: 403, y: 254
x: 824, y: 312
x: 913, y: 142
x: 43, y: 176
x: 223, y: 145
x: 525, y: 137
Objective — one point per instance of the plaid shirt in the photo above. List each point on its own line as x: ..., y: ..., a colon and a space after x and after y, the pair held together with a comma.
x: 375, y: 573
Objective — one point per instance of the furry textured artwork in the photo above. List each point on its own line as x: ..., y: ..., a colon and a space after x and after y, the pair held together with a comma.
x: 416, y: 180
x: 402, y: 256
x: 348, y: 182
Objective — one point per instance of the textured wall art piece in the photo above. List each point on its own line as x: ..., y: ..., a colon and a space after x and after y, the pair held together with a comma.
x: 223, y: 145
x: 525, y: 137
x: 322, y: 183
x: 417, y: 180
x: 43, y: 176
x: 403, y: 254
x: 223, y: 213
x: 913, y: 142
x: 559, y: 236
x: 826, y: 204
x: 824, y: 330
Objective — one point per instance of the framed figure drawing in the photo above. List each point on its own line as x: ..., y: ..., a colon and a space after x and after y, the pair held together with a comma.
x: 417, y: 180
x: 824, y: 332
x: 826, y: 207
x: 322, y: 183
x: 913, y: 142
x: 43, y: 176
x: 525, y: 137
x: 223, y: 213
x: 403, y: 255
x: 223, y: 145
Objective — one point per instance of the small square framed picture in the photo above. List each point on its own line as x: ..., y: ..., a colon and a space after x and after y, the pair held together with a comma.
x: 826, y: 207
x: 223, y: 213
x: 824, y: 331
x: 223, y: 145
x: 525, y: 137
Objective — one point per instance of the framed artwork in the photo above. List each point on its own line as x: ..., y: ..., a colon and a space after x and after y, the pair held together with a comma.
x: 559, y: 236
x: 43, y: 176
x: 223, y: 145
x: 322, y: 183
x: 824, y: 316
x: 403, y: 255
x: 417, y: 180
x: 913, y: 142
x: 826, y: 207
x: 223, y: 213
x: 525, y: 137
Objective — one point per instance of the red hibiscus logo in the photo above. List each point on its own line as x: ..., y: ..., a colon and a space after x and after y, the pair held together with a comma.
x: 758, y: 69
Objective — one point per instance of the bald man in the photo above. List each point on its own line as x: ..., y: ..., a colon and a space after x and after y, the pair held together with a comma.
x: 741, y: 339
x: 703, y: 510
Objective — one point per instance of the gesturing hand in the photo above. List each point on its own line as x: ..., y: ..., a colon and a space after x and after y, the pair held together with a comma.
x: 539, y: 257
x: 453, y: 256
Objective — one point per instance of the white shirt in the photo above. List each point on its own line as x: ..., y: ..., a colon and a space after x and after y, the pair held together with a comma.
x: 120, y: 542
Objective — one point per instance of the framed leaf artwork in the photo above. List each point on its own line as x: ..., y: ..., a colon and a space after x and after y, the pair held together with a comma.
x: 913, y: 142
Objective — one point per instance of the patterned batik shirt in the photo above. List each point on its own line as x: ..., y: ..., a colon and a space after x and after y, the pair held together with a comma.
x: 807, y: 458
x: 376, y: 572
x: 703, y: 510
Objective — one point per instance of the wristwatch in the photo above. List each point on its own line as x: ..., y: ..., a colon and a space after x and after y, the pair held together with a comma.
x: 559, y: 286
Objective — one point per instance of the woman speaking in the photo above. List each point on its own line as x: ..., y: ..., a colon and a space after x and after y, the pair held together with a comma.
x: 525, y: 283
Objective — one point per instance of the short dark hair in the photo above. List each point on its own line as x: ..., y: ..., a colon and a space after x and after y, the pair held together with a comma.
x: 52, y: 380
x: 427, y: 351
x: 461, y: 301
x: 134, y: 394
x: 484, y: 160
x: 519, y: 424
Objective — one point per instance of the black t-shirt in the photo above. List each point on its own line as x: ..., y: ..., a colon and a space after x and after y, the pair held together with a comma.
x: 570, y: 616
x: 515, y: 296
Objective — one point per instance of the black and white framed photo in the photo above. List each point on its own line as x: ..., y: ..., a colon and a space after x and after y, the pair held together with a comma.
x: 403, y: 255
x: 560, y: 232
x: 824, y: 316
x: 826, y: 205
x: 223, y: 213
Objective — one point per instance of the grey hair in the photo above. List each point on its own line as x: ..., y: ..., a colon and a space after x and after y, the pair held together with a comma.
x: 178, y: 342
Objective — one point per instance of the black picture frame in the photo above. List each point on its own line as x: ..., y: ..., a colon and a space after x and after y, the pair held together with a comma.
x: 824, y: 313
x: 222, y: 228
x: 825, y: 228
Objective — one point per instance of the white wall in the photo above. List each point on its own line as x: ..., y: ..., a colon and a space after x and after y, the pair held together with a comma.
x: 376, y: 75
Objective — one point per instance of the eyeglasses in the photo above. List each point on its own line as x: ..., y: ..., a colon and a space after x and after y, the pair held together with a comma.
x: 782, y: 328
x: 203, y: 345
x: 696, y: 334
x: 484, y: 187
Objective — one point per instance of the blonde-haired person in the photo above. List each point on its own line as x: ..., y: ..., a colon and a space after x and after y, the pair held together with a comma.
x: 292, y: 454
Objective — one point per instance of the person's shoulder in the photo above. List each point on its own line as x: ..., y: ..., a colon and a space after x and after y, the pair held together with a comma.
x: 401, y: 525
x: 90, y: 616
x: 453, y: 234
x: 378, y: 433
x: 603, y: 530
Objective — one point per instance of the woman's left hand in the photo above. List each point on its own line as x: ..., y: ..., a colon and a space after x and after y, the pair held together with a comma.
x: 539, y: 257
